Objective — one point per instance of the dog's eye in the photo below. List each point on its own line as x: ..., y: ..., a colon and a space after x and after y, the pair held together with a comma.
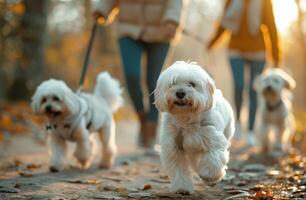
x: 191, y: 84
x: 55, y: 98
x: 43, y: 100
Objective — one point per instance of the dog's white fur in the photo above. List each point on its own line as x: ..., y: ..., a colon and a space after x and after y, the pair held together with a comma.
x: 195, y: 130
x: 274, y: 88
x: 69, y: 113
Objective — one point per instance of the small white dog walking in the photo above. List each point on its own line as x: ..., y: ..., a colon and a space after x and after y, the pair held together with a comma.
x: 73, y: 117
x: 196, y: 126
x: 274, y: 88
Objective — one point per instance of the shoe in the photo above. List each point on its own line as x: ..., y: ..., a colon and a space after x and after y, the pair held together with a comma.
x: 251, y: 140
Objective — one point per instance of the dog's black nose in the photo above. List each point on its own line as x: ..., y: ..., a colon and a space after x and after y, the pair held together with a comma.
x: 269, y: 88
x: 48, y: 108
x: 180, y: 94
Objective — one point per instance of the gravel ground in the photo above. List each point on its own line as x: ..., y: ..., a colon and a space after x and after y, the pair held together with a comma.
x: 138, y: 175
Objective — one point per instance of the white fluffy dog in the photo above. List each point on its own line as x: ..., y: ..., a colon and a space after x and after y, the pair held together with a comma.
x: 196, y: 126
x: 274, y: 88
x: 73, y: 117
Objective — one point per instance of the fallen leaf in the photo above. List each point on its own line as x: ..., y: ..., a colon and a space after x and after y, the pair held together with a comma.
x: 256, y: 188
x: 25, y: 174
x: 108, y: 188
x: 122, y: 190
x: 17, y: 163
x: 33, y: 166
x: 273, y: 172
x: 263, y: 194
x: 164, y: 177
x: 146, y: 187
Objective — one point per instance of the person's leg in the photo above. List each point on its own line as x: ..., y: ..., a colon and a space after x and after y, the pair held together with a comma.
x: 256, y: 69
x: 237, y: 66
x: 131, y: 51
x: 156, y: 55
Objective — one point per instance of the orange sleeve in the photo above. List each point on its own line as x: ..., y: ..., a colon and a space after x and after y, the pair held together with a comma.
x: 272, y: 31
x: 221, y: 29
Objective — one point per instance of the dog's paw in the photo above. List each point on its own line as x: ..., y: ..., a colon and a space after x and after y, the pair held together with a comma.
x: 83, y: 157
x: 181, y: 190
x: 180, y: 187
x: 84, y: 163
x: 211, y: 181
x: 212, y: 177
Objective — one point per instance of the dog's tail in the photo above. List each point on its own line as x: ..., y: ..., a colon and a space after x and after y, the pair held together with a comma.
x: 109, y: 89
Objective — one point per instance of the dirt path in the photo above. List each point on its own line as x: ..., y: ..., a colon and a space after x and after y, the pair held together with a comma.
x: 137, y: 175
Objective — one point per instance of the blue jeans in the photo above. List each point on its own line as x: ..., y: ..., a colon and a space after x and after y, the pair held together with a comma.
x: 256, y: 68
x: 131, y: 52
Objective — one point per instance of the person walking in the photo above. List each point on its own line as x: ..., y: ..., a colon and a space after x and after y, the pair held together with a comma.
x: 251, y: 24
x: 144, y: 26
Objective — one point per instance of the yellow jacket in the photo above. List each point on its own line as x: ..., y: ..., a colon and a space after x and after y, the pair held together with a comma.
x: 244, y: 42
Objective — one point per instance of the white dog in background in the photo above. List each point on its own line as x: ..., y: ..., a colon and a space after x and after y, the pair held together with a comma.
x: 196, y: 126
x: 73, y: 117
x: 274, y: 88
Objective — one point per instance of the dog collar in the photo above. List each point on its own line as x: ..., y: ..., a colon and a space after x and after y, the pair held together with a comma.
x: 274, y: 107
x: 54, y: 126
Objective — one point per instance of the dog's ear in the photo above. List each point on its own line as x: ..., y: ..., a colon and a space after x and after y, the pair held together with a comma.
x: 72, y: 102
x: 257, y: 84
x: 159, y: 100
x: 35, y: 101
x: 289, y: 81
x: 210, y: 90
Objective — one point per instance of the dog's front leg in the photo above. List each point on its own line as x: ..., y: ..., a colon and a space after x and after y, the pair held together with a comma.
x: 58, y: 148
x: 83, y: 148
x: 264, y: 137
x: 176, y: 166
x: 212, y: 164
x: 280, y: 146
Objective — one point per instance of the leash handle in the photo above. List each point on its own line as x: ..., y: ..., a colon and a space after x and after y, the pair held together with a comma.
x: 87, y: 55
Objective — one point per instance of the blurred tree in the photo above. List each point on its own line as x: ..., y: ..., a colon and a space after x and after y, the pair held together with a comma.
x: 301, y: 28
x: 10, y: 15
x: 301, y: 39
x: 30, y: 65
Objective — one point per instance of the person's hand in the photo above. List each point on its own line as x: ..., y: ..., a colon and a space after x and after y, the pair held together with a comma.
x: 97, y: 15
x: 170, y: 29
x: 209, y: 46
x: 275, y: 64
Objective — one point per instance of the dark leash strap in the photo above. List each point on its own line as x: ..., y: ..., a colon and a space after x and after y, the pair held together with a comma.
x: 87, y: 55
